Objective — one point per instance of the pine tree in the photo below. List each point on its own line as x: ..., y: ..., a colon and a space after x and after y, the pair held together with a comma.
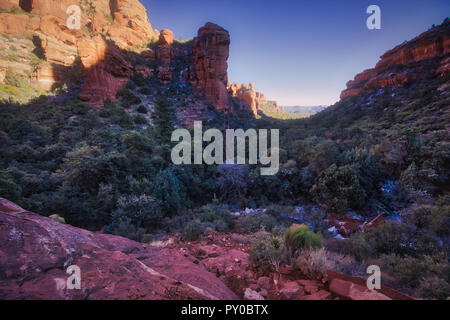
x: 163, y: 119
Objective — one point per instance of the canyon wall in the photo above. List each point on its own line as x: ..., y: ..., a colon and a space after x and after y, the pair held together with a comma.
x: 427, y: 55
x: 112, y: 36
x: 250, y: 99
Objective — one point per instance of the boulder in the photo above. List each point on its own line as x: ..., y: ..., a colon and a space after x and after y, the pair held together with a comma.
x: 319, y: 295
x: 250, y: 294
x: 165, y: 37
x: 265, y: 283
x: 36, y: 252
x: 292, y: 291
x: 355, y: 291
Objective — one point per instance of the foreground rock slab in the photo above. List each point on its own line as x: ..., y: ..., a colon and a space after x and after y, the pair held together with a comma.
x: 35, y: 253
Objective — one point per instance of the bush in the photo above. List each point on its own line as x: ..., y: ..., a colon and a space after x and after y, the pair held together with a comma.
x: 218, y: 216
x: 142, y: 109
x: 339, y: 189
x: 193, y: 230
x: 255, y: 221
x: 117, y: 114
x: 141, y: 211
x: 167, y: 191
x: 124, y: 227
x: 266, y: 251
x: 10, y: 190
x: 390, y: 238
x: 86, y: 167
x: 138, y: 119
x: 232, y: 182
x: 145, y: 91
x: 299, y: 237
x: 128, y: 98
x: 433, y: 288
x: 411, y: 271
x: 316, y: 262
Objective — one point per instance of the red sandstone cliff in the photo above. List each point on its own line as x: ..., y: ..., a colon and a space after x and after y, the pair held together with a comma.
x: 427, y: 55
x: 110, y: 29
x: 123, y: 22
x: 251, y: 99
x: 210, y: 55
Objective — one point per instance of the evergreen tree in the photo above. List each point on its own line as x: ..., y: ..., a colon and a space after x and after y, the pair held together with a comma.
x: 163, y: 119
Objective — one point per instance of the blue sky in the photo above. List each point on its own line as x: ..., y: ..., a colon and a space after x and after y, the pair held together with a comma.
x: 300, y: 52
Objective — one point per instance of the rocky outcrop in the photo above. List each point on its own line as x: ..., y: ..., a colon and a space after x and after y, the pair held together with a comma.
x: 106, y: 69
x: 355, y: 288
x: 106, y: 63
x: 424, y: 56
x: 250, y: 99
x: 210, y: 55
x: 36, y: 252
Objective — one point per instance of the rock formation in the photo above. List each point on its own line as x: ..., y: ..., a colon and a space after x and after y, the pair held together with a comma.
x: 106, y: 70
x: 210, y: 55
x: 250, y: 99
x: 36, y: 252
x: 424, y: 56
x: 109, y: 31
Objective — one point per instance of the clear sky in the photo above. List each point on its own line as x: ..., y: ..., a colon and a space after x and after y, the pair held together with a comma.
x: 300, y: 52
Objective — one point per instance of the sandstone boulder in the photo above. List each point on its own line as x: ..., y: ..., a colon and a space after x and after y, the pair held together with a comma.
x: 36, y: 251
x: 250, y: 294
x: 355, y: 291
x: 165, y: 37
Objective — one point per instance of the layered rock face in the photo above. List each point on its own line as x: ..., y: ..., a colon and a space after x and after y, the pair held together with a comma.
x: 110, y: 30
x: 210, y: 55
x: 250, y: 99
x: 36, y: 252
x: 427, y: 55
x: 105, y: 67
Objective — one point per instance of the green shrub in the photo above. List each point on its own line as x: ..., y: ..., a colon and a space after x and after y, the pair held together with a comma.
x: 167, y: 191
x: 390, y: 238
x: 193, y: 230
x: 141, y: 211
x: 255, y: 221
x: 411, y: 271
x: 15, y: 79
x: 139, y: 119
x: 339, y: 189
x: 433, y: 288
x: 117, y: 115
x: 124, y: 227
x: 128, y: 98
x: 266, y: 251
x: 10, y: 190
x: 145, y: 91
x: 299, y: 237
x: 142, y: 109
x: 218, y: 216
x: 316, y: 262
